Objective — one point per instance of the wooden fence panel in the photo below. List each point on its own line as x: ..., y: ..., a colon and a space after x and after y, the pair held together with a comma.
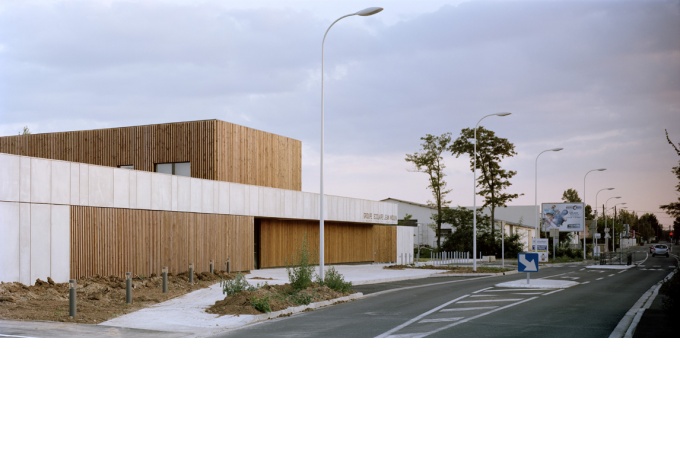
x: 110, y: 241
x: 281, y: 241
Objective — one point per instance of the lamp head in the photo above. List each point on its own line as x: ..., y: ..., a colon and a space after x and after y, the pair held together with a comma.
x: 503, y: 114
x: 369, y: 11
x: 557, y: 149
x: 601, y: 169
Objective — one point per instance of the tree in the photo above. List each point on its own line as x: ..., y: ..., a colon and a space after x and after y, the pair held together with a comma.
x: 493, y: 179
x: 430, y: 161
x: 673, y: 209
x: 461, y: 220
x: 649, y: 227
x: 460, y: 239
x: 25, y: 131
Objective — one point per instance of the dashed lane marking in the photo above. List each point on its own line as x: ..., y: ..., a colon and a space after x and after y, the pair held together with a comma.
x: 442, y: 320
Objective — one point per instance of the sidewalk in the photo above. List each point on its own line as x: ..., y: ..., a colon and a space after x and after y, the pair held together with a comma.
x: 186, y: 315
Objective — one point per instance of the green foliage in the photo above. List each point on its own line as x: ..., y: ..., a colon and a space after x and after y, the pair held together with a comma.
x: 492, y: 180
x: 302, y: 298
x: 335, y: 281
x: 430, y: 161
x: 238, y: 284
x: 261, y: 303
x: 300, y: 276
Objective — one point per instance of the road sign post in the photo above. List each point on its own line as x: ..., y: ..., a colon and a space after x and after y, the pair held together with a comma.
x: 527, y: 262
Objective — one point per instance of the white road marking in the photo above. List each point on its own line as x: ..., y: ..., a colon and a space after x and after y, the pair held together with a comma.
x: 488, y: 300
x: 551, y: 293
x: 442, y: 320
x: 470, y: 308
x: 419, y: 317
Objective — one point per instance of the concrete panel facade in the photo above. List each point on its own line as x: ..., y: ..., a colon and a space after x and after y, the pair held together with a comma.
x: 36, y: 194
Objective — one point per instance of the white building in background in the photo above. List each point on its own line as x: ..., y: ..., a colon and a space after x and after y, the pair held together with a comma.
x: 514, y: 219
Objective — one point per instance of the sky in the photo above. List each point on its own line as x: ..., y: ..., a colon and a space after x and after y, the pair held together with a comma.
x: 600, y: 79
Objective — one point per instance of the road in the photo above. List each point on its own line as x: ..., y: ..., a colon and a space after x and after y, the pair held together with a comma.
x: 476, y: 307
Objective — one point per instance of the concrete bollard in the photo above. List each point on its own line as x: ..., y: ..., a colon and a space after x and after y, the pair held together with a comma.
x: 128, y: 287
x: 72, y: 298
x: 165, y: 280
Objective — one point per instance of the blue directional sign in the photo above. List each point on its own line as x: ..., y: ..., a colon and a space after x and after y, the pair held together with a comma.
x: 527, y: 262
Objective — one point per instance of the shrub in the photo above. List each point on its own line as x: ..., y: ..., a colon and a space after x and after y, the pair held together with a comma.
x: 302, y: 298
x: 335, y: 281
x: 261, y: 303
x: 300, y: 277
x: 238, y: 284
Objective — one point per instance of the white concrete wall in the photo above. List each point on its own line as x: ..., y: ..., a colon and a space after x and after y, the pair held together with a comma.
x: 35, y: 195
x: 405, y: 242
x: 34, y: 219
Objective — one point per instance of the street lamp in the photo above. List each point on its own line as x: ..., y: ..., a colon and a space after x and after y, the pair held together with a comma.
x: 364, y: 12
x: 474, y: 192
x: 605, y: 218
x: 614, y: 226
x: 584, y: 207
x: 596, y: 209
x: 536, y: 187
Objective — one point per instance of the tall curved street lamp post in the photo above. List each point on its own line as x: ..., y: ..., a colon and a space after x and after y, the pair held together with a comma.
x: 584, y: 207
x: 474, y: 191
x: 605, y: 218
x: 538, y: 216
x: 614, y: 226
x: 364, y: 12
x: 596, y: 211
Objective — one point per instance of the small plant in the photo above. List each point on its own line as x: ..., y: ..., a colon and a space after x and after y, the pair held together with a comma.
x: 261, y: 303
x: 300, y: 277
x: 238, y: 284
x: 335, y: 281
x: 302, y: 298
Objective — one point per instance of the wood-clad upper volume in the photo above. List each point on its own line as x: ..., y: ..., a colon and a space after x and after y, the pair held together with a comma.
x: 217, y: 150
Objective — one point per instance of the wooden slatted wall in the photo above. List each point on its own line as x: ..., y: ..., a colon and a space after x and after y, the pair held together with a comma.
x: 385, y: 243
x: 249, y: 156
x: 216, y: 149
x: 110, y: 241
x: 281, y: 241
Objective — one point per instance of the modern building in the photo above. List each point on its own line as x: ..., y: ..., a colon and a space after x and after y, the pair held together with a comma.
x: 514, y: 219
x: 137, y: 199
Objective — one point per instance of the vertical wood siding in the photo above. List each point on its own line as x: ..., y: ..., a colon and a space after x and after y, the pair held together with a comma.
x: 249, y: 156
x: 217, y: 150
x: 281, y: 241
x: 110, y: 241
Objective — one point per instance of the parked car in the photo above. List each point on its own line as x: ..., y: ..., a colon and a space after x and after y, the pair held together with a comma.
x: 659, y: 250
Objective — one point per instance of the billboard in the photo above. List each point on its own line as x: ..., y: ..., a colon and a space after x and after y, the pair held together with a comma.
x: 566, y: 217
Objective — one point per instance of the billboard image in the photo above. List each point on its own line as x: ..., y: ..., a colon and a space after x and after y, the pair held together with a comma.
x: 567, y: 217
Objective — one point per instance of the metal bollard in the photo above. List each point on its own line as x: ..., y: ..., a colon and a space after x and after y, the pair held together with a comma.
x: 228, y: 264
x: 128, y: 287
x: 191, y: 273
x: 72, y: 298
x: 165, y: 280
x: 212, y: 266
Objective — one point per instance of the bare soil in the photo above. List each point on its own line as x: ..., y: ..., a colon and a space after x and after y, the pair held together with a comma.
x: 98, y: 298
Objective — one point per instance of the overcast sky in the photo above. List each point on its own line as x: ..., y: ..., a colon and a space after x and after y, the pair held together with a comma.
x: 599, y: 78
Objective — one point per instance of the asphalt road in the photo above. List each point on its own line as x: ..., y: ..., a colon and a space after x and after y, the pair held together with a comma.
x: 476, y: 307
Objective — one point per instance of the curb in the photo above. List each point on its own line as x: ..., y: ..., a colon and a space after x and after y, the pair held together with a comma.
x: 627, y: 325
x: 287, y: 312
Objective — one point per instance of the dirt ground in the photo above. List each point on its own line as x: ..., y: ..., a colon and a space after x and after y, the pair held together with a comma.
x: 98, y: 299
x: 102, y: 298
